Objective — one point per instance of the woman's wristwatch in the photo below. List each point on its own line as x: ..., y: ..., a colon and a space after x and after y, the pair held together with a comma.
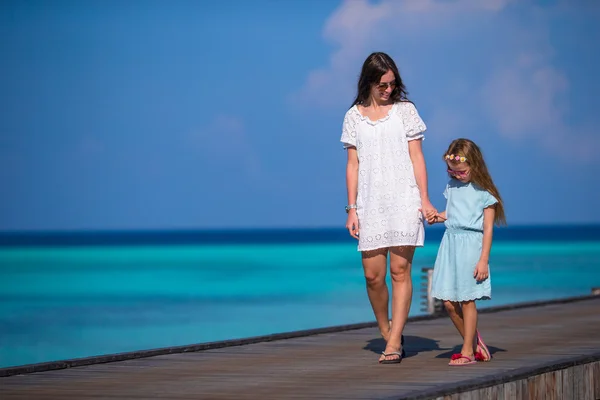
x: 350, y: 207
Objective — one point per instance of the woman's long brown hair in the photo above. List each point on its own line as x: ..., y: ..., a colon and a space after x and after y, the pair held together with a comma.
x: 479, y: 172
x: 374, y: 67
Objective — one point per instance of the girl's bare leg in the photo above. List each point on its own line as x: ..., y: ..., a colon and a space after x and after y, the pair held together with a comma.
x: 469, y: 311
x: 456, y: 316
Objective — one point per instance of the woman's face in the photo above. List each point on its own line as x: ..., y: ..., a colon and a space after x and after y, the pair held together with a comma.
x: 382, y: 91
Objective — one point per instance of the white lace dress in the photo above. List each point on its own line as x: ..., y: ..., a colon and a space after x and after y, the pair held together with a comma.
x: 388, y: 199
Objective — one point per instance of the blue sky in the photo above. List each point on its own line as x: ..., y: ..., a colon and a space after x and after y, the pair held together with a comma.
x: 201, y: 114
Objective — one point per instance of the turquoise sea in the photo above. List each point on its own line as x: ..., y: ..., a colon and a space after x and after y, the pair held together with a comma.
x: 70, y: 295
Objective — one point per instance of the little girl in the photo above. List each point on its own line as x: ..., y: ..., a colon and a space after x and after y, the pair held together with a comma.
x: 461, y: 273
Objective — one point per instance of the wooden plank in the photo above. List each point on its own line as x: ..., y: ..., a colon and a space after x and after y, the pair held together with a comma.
x: 533, y: 387
x: 588, y: 373
x: 485, y: 393
x: 522, y: 393
x: 496, y: 392
x: 567, y: 384
x: 510, y: 391
x: 579, y: 382
x: 555, y: 386
x: 596, y: 380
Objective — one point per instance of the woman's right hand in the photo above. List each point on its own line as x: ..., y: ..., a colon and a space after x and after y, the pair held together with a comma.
x: 352, y: 223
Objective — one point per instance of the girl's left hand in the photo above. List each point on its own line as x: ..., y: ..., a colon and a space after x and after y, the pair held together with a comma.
x: 482, y: 271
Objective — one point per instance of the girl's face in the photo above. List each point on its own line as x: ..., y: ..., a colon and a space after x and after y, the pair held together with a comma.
x: 382, y: 91
x: 459, y: 171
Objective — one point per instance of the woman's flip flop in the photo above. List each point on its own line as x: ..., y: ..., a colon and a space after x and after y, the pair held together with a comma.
x: 394, y: 360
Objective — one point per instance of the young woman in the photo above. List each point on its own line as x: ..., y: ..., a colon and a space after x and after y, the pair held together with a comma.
x: 387, y: 187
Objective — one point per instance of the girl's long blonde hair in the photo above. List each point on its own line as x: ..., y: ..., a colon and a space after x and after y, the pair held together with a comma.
x: 479, y: 172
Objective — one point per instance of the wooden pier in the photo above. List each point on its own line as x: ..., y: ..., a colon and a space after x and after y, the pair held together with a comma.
x: 541, y: 351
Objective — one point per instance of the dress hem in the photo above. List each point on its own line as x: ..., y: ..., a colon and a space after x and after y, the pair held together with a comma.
x: 391, y: 245
x: 461, y: 299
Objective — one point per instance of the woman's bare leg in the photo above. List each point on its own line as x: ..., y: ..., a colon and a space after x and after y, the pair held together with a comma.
x: 375, y: 268
x: 400, y: 269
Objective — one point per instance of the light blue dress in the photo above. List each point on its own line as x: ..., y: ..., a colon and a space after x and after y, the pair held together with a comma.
x: 461, y: 244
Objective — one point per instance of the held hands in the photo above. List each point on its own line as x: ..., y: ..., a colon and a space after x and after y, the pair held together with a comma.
x: 352, y: 224
x: 482, y: 271
x: 429, y: 212
x: 437, y: 217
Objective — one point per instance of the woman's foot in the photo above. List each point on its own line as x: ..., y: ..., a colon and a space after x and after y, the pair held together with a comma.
x: 391, y: 355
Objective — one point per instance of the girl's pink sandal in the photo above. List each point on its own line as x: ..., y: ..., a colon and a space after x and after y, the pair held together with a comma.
x: 470, y: 360
x: 484, y: 352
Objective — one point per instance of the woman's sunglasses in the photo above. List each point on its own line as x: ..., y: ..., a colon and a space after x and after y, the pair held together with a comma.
x: 382, y: 87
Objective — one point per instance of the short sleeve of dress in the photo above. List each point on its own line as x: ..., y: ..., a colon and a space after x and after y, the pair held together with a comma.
x: 348, y: 138
x: 446, y: 191
x: 413, y: 124
x: 488, y: 199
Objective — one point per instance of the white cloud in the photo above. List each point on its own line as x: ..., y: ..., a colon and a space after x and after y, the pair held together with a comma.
x: 358, y: 26
x: 504, y: 58
x: 526, y: 99
x: 350, y: 29
x: 522, y: 99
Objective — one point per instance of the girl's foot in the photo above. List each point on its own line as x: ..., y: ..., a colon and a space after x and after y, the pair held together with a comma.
x: 460, y: 359
x: 482, y: 352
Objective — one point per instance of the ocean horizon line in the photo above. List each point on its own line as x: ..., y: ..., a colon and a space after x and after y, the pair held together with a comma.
x: 269, y: 228
x: 280, y: 235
